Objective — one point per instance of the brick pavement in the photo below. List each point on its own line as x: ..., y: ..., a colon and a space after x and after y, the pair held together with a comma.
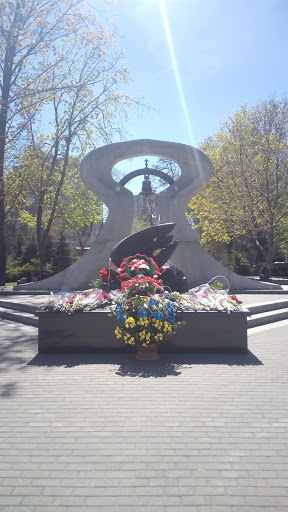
x: 203, y: 433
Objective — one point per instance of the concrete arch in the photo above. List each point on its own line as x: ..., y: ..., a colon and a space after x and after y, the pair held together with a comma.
x: 146, y: 170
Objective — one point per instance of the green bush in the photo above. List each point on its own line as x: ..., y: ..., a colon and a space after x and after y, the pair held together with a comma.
x: 239, y: 264
x: 279, y: 269
x: 17, y: 272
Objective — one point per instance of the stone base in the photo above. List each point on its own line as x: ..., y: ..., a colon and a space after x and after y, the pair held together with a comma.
x: 94, y: 332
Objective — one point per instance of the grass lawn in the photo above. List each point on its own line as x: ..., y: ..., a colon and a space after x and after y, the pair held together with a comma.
x: 11, y: 284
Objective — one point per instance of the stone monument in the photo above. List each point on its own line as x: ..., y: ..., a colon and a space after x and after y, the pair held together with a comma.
x: 95, y: 170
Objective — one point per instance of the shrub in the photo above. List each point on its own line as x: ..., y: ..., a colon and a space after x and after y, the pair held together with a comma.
x: 279, y: 269
x: 17, y: 272
x: 14, y: 271
x: 239, y: 264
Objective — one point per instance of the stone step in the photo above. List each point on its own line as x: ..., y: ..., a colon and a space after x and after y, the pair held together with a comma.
x: 267, y: 317
x: 263, y: 307
x: 8, y: 290
x: 21, y: 317
x: 27, y: 308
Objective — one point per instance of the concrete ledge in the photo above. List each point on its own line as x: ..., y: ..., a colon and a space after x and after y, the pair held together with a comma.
x: 27, y: 308
x: 19, y: 317
x: 263, y: 307
x: 94, y: 332
x: 268, y: 317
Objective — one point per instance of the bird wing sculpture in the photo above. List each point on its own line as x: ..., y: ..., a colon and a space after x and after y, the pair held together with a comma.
x: 154, y: 242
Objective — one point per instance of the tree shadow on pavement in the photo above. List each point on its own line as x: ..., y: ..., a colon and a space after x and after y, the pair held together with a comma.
x: 17, y: 345
x: 7, y: 390
x: 127, y: 365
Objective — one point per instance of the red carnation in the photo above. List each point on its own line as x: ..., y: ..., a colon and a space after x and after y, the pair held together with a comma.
x: 104, y: 274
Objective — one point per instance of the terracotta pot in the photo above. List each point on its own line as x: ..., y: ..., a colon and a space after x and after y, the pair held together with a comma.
x: 149, y: 353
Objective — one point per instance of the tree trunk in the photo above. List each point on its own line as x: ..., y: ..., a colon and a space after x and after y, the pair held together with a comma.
x: 3, y: 117
x: 42, y: 252
x: 230, y: 247
x: 43, y: 234
x: 3, y: 122
x: 41, y: 238
x: 10, y: 50
x: 2, y: 245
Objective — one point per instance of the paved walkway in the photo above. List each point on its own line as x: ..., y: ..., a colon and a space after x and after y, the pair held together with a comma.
x: 201, y: 433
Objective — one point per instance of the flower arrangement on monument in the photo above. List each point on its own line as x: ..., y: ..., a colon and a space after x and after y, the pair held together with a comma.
x: 78, y: 302
x: 145, y: 319
x: 144, y: 313
x: 139, y: 279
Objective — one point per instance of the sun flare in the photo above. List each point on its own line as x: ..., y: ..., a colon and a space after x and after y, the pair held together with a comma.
x: 176, y: 69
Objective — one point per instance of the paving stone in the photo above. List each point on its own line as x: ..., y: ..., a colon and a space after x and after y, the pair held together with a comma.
x: 85, y: 432
x: 9, y: 500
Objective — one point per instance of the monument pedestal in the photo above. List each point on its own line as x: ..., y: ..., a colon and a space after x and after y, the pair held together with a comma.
x: 205, y: 331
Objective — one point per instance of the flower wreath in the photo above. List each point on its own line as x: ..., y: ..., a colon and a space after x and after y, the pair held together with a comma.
x: 140, y: 263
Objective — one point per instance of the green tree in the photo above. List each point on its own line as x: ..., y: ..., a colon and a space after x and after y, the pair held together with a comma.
x: 168, y: 166
x: 139, y: 224
x: 28, y: 29
x: 30, y: 251
x: 76, y: 209
x: 79, y: 209
x: 62, y: 257
x: 247, y: 195
x: 57, y: 59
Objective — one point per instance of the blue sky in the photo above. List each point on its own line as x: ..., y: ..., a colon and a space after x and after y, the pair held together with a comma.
x: 198, y: 61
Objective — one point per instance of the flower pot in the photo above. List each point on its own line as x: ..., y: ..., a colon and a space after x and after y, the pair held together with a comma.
x: 149, y: 353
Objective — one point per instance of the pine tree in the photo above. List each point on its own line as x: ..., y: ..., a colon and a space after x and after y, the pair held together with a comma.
x: 62, y: 257
x: 30, y: 251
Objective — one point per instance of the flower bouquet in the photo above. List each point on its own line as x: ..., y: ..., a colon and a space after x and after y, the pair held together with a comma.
x: 109, y: 278
x: 144, y: 313
x: 145, y: 320
x: 87, y: 300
